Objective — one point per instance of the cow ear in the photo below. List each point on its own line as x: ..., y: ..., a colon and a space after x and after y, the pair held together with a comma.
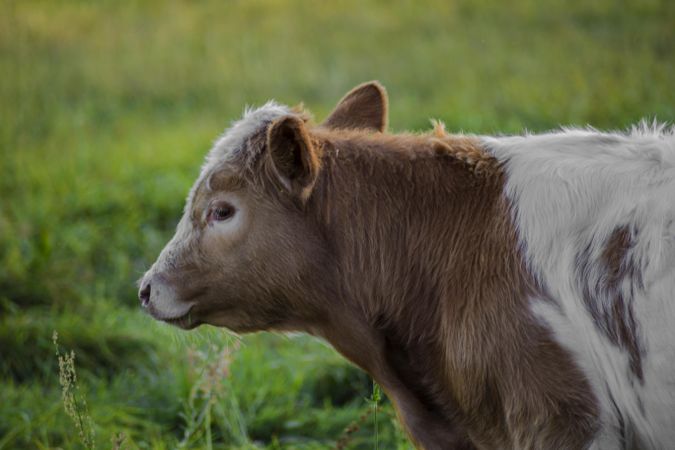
x: 364, y: 107
x: 294, y: 159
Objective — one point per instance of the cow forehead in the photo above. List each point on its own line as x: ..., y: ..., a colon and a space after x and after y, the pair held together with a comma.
x: 230, y: 149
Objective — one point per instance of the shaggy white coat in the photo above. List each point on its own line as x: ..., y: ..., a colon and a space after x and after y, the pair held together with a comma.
x: 570, y: 190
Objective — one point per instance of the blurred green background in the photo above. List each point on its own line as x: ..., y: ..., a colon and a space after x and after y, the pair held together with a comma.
x: 106, y: 111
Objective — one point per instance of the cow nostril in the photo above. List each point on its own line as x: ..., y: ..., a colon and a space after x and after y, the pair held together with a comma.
x: 144, y: 294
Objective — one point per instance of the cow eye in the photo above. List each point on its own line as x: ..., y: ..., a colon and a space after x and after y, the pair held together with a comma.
x: 220, y: 212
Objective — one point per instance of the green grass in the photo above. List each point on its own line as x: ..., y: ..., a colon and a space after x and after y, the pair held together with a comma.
x: 106, y: 111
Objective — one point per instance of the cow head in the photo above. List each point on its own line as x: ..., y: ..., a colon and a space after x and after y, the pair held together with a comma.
x: 247, y: 253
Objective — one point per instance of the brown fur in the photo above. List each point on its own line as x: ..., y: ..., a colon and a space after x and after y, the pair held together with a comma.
x: 429, y: 267
x: 399, y: 250
x: 618, y: 323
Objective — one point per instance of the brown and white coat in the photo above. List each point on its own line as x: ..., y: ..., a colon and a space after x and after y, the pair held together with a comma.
x: 506, y: 292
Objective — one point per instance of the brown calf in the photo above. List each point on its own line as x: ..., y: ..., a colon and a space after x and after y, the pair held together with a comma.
x: 402, y: 252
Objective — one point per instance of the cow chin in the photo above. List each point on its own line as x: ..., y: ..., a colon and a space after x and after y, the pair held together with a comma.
x: 232, y: 320
x: 186, y: 322
x: 172, y: 311
x: 181, y: 316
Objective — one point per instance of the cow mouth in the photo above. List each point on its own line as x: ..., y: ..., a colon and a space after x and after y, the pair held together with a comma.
x: 186, y: 321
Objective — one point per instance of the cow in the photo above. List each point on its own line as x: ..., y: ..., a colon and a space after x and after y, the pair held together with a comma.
x: 506, y: 292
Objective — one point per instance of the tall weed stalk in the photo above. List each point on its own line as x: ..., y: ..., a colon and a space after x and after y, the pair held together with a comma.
x: 73, y: 400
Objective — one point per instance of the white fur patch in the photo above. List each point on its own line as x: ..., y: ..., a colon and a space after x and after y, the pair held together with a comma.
x: 570, y: 191
x: 232, y: 143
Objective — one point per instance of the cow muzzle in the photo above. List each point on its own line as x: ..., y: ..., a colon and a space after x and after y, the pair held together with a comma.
x: 161, y: 300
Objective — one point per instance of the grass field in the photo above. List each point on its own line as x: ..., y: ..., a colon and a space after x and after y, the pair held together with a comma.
x: 106, y: 111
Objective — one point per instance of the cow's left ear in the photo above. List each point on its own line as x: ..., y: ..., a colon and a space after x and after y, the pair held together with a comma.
x: 364, y: 107
x: 293, y: 156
